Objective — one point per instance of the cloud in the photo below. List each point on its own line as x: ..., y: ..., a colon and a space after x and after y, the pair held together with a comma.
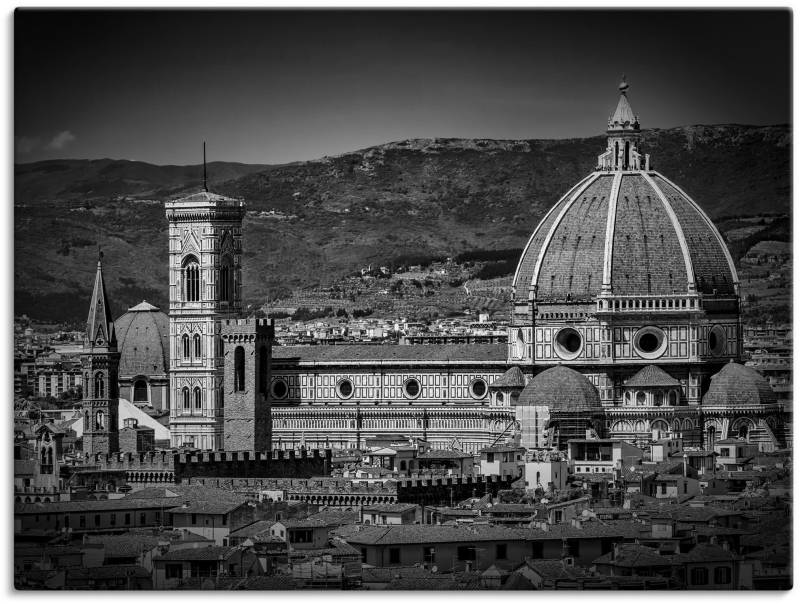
x: 61, y: 140
x: 26, y: 144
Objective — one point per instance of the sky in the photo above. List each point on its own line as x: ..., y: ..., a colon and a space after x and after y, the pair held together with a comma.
x: 279, y: 86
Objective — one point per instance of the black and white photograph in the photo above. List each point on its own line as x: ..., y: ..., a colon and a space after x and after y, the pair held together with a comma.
x: 401, y: 299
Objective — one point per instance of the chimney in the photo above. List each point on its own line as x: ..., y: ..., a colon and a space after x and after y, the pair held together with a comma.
x: 726, y: 546
x: 685, y: 463
x: 468, y: 566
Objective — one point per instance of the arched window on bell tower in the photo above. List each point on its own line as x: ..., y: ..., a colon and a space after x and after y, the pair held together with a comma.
x: 198, y: 398
x: 185, y: 346
x: 197, y: 346
x: 186, y: 402
x: 191, y: 279
x: 99, y: 386
x: 225, y: 283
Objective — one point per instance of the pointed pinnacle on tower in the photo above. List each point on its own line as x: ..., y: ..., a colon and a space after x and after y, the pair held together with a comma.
x: 100, y: 325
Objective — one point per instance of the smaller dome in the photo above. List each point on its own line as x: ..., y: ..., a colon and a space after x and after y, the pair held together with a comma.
x: 561, y: 389
x: 738, y: 386
x: 513, y: 378
x: 143, y: 334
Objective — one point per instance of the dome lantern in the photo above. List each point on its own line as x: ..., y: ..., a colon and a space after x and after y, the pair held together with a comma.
x: 624, y: 136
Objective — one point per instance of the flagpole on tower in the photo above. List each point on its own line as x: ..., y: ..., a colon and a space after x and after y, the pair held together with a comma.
x: 205, y: 181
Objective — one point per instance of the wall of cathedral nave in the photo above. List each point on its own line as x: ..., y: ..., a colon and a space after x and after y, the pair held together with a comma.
x: 423, y: 385
x: 468, y: 429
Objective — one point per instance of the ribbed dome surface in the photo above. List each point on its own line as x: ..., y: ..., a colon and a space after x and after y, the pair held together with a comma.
x: 634, y: 230
x: 561, y: 389
x: 738, y: 386
x: 143, y: 334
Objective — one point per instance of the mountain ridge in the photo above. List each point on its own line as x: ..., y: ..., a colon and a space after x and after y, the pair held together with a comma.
x: 312, y: 221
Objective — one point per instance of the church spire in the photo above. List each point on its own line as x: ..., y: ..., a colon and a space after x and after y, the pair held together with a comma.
x: 100, y: 326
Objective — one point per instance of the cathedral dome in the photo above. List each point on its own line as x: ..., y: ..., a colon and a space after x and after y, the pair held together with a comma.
x: 624, y: 230
x: 143, y: 334
x: 561, y: 389
x: 738, y: 386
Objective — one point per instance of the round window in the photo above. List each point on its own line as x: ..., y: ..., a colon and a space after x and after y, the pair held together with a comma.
x: 279, y: 389
x: 344, y: 388
x: 650, y: 342
x: 477, y: 388
x: 716, y: 340
x: 411, y: 388
x: 568, y: 343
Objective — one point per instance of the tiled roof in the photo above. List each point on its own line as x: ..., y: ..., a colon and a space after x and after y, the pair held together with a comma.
x: 561, y: 389
x: 114, y: 571
x: 736, y: 385
x: 322, y: 519
x: 384, y: 575
x: 208, y: 507
x: 124, y: 546
x: 633, y: 555
x: 444, y: 454
x: 513, y: 378
x: 705, y: 552
x: 646, y: 253
x: 478, y: 353
x: 143, y: 334
x: 550, y: 569
x: 214, y: 552
x: 253, y: 530
x: 652, y: 377
x: 389, y: 508
x: 90, y: 506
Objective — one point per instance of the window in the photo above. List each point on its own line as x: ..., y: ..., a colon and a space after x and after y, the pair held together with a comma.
x: 191, y: 271
x: 568, y: 343
x: 394, y: 555
x: 238, y: 364
x: 663, y: 488
x: 99, y: 386
x: 478, y: 388
x: 490, y: 457
x: 466, y: 552
x: 279, y: 388
x: 158, y: 516
x: 725, y: 452
x: 194, y: 518
x: 224, y: 520
x: 142, y: 518
x: 127, y: 518
x: 197, y: 347
x: 225, y: 283
x: 559, y: 515
x: 173, y: 571
x: 113, y: 520
x: 700, y: 576
x: 140, y: 391
x: 722, y: 575
x: 429, y: 554
x: 186, y: 349
x: 344, y: 389
x: 198, y: 398
x: 411, y: 388
x: 186, y: 405
x: 263, y: 369
x: 501, y: 551
x: 363, y: 554
x: 82, y: 521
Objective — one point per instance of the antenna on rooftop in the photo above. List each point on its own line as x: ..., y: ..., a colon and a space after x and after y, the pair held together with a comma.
x: 205, y: 180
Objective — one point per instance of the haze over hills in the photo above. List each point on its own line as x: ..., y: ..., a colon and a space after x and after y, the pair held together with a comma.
x: 309, y: 223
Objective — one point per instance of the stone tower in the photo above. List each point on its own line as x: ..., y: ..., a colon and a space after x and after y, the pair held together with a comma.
x: 247, y: 416
x: 100, y: 364
x: 205, y: 287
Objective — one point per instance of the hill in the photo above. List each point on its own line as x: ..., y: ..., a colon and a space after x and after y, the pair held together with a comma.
x: 309, y: 223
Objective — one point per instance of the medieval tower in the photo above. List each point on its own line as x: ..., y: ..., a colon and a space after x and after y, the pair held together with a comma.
x: 247, y: 419
x: 100, y: 364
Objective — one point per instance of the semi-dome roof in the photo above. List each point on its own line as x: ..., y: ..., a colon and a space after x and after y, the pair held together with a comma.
x: 624, y: 230
x: 738, y: 386
x: 561, y: 389
x: 143, y: 334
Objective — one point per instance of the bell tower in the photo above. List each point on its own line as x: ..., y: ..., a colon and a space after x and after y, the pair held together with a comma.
x: 100, y: 365
x: 205, y: 287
